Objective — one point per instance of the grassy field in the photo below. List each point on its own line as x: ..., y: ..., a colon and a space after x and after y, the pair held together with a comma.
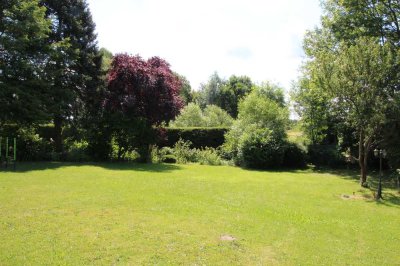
x: 64, y: 214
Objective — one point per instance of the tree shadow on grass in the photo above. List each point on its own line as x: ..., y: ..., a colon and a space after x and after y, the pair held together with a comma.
x: 128, y: 166
x: 390, y: 198
x: 118, y: 166
x: 348, y: 174
x: 277, y: 170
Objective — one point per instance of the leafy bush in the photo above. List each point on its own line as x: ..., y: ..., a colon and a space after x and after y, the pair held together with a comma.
x: 183, y: 152
x: 30, y: 146
x: 257, y: 139
x: 169, y: 159
x: 214, y: 116
x: 129, y: 155
x: 325, y: 155
x: 155, y: 155
x: 209, y: 156
x: 77, y: 151
x: 191, y: 116
x: 294, y: 156
x: 258, y: 148
x: 161, y: 155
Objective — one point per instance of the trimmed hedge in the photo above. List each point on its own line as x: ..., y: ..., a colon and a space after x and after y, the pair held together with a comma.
x: 199, y: 137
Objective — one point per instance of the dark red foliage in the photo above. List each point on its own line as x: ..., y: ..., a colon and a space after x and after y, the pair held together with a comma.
x: 139, y: 88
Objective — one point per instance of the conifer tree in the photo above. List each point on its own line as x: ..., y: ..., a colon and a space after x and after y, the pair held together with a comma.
x: 75, y: 69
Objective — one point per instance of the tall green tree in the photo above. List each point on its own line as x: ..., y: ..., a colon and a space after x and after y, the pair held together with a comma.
x: 272, y: 92
x: 358, y: 79
x: 186, y: 90
x: 313, y: 105
x: 75, y: 70
x: 106, y: 61
x: 23, y: 56
x: 233, y: 90
x: 350, y: 19
x: 350, y: 75
x: 210, y: 92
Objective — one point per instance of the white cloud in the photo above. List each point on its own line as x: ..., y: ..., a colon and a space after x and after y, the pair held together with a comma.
x: 258, y: 38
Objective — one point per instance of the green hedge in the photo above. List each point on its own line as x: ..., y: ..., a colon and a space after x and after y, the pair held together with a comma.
x: 200, y: 137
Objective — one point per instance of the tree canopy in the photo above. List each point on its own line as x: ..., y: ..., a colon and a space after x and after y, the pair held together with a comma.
x: 212, y: 116
x: 24, y: 50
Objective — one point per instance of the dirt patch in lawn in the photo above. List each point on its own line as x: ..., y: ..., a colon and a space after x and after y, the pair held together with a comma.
x: 227, y: 238
x: 356, y: 197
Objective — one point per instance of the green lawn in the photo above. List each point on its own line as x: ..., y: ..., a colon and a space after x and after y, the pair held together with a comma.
x: 64, y: 214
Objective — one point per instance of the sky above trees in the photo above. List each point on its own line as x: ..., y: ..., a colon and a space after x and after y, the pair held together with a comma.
x: 258, y: 38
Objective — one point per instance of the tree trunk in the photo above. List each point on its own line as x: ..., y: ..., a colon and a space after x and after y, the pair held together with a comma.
x: 362, y: 159
x: 58, y: 140
x: 145, y: 154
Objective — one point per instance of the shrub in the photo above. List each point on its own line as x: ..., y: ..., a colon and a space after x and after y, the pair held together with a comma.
x: 257, y: 138
x: 259, y: 148
x: 169, y: 159
x: 294, y: 156
x: 165, y: 154
x: 77, y: 151
x: 325, y: 155
x: 155, y: 155
x: 130, y: 155
x: 30, y: 146
x: 214, y: 116
x: 191, y: 116
x: 183, y: 152
x: 209, y: 156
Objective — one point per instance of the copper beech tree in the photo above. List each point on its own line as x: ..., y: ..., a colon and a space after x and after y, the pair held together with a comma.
x: 141, y: 94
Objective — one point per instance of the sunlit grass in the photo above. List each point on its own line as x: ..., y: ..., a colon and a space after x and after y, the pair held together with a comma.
x: 66, y: 214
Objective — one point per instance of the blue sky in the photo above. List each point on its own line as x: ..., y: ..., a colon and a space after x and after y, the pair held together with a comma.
x: 258, y: 38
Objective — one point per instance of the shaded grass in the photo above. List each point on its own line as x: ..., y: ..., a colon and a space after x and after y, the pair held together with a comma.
x: 75, y: 214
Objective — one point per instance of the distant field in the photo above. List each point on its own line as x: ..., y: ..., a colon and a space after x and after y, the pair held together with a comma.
x: 64, y: 214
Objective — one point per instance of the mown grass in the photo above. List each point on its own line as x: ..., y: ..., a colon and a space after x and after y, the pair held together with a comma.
x: 65, y: 214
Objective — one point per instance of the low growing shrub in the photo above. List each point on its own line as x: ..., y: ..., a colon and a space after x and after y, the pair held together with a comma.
x: 260, y: 149
x: 169, y: 159
x: 183, y: 152
x: 294, y: 156
x: 77, y: 151
x: 325, y: 155
x: 30, y: 146
x: 209, y: 156
x: 159, y: 155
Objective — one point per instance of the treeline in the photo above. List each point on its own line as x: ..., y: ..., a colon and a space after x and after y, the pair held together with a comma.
x: 104, y: 107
